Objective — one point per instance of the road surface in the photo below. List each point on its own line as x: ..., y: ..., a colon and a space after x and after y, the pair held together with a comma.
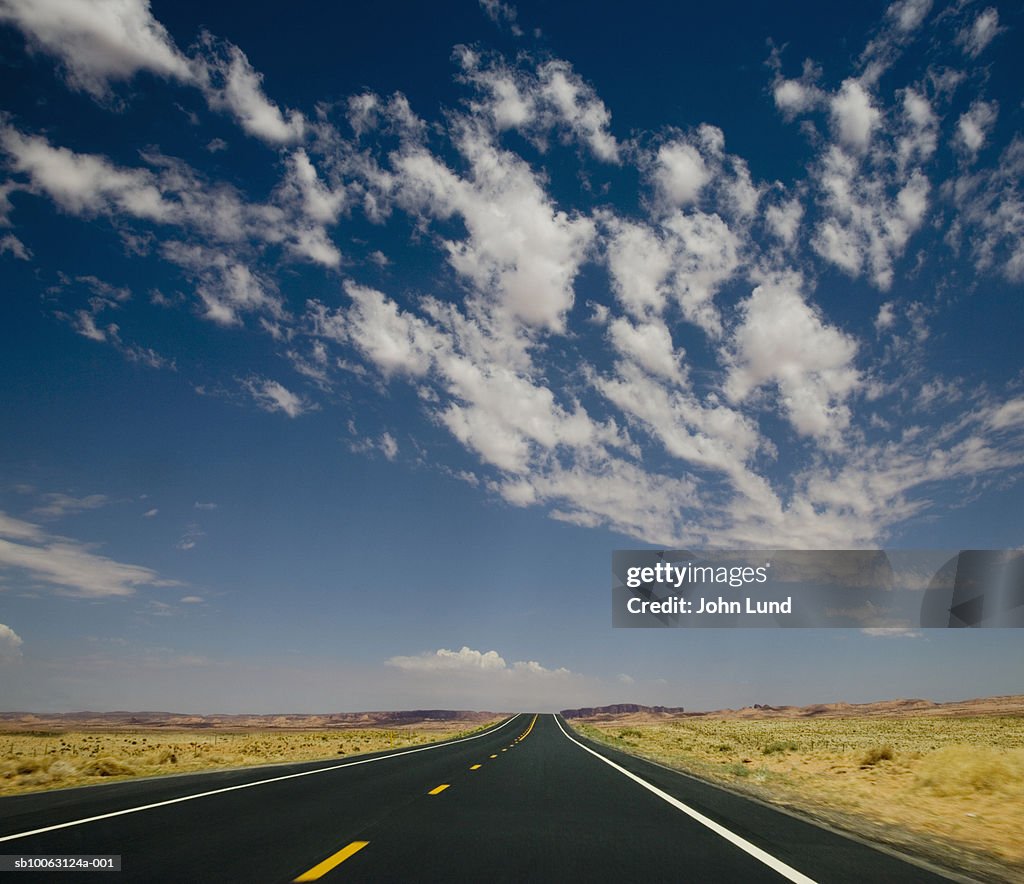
x: 526, y: 801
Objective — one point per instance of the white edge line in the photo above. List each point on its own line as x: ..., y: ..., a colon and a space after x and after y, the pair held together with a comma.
x: 763, y: 856
x: 305, y: 773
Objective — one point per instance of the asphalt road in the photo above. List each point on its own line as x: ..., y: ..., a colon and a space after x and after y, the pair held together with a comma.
x: 526, y: 801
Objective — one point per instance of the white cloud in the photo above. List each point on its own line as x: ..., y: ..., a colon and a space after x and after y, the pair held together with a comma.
x: 231, y: 83
x: 1009, y: 414
x: 982, y: 31
x: 886, y: 317
x: 466, y: 660
x: 58, y: 505
x: 854, y: 115
x: 469, y: 661
x: 640, y: 262
x: 919, y: 138
x: 149, y: 514
x: 784, y: 342
x: 388, y: 446
x: 681, y: 173
x: 274, y: 396
x: 190, y: 539
x: 98, y: 41
x: 10, y: 244
x: 66, y: 564
x: 869, y: 219
x: 167, y: 191
x: 687, y: 258
x: 990, y: 204
x: 649, y: 345
x: 974, y: 126
x: 502, y: 13
x: 10, y: 644
x: 521, y: 253
x: 82, y: 183
x: 537, y: 98
x: 226, y: 288
x: 580, y: 108
x: 784, y: 220
x: 794, y: 97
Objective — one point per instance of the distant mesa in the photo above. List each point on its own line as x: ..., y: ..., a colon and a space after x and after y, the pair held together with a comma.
x: 424, y: 719
x: 903, y: 708
x: 621, y: 709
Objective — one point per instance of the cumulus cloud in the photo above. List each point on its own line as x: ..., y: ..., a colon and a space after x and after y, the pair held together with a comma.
x: 681, y: 173
x: 974, y: 126
x: 854, y: 115
x: 98, y: 41
x: 469, y: 661
x: 783, y: 341
x: 10, y: 644
x: 539, y: 98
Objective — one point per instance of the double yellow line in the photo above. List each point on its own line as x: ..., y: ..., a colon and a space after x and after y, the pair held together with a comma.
x: 526, y: 733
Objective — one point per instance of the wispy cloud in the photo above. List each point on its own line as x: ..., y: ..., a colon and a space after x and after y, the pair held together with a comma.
x: 67, y: 565
x: 57, y: 505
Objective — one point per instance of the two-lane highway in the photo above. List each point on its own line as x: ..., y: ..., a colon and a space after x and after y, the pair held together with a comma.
x: 525, y: 800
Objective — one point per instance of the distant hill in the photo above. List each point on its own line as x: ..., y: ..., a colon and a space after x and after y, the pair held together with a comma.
x: 913, y: 708
x: 420, y: 718
x: 621, y: 709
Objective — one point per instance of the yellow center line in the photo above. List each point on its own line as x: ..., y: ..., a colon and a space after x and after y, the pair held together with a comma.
x: 504, y: 750
x: 494, y: 756
x: 476, y: 767
x: 526, y: 733
x: 439, y: 789
x: 321, y: 869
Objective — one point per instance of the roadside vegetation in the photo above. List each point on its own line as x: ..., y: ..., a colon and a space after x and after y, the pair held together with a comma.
x: 949, y: 788
x: 35, y: 760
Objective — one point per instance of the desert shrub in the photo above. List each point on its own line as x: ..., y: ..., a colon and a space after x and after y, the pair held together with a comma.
x: 876, y: 754
x: 107, y: 767
x: 627, y: 732
x: 966, y: 770
x: 24, y: 766
x: 780, y: 746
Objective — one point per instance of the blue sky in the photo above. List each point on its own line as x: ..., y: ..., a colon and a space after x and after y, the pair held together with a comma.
x: 341, y: 347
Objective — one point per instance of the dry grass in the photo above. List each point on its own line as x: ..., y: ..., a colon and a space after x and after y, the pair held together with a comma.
x: 951, y: 788
x: 33, y: 761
